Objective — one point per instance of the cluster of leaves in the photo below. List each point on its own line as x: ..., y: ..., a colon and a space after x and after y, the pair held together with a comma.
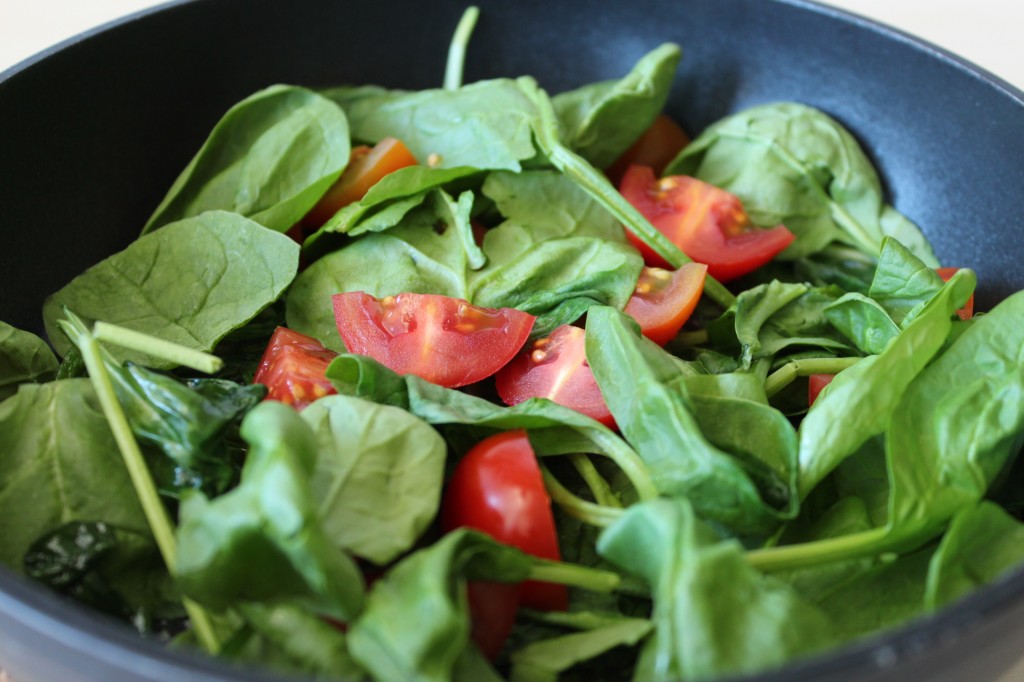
x: 868, y: 511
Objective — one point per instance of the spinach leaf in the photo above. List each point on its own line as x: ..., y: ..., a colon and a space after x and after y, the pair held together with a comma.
x: 189, y: 423
x: 713, y: 614
x: 269, y: 521
x: 378, y: 475
x: 863, y: 321
x: 903, y: 283
x: 543, y: 661
x: 792, y: 164
x: 861, y: 399
x: 486, y: 125
x: 56, y: 452
x: 290, y: 638
x: 982, y: 543
x: 602, y: 120
x: 432, y: 584
x: 191, y: 283
x: 270, y: 158
x: 646, y: 393
x: 24, y: 358
x: 114, y: 570
x: 959, y: 424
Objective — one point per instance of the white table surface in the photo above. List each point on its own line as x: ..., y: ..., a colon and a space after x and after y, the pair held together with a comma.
x: 987, y: 32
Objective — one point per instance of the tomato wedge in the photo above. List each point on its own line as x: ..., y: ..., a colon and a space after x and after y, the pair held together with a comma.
x: 445, y: 340
x: 816, y: 383
x: 967, y: 312
x: 707, y: 223
x: 492, y: 613
x: 292, y: 368
x: 365, y: 169
x: 555, y: 368
x: 665, y: 299
x: 658, y: 145
x: 497, y: 488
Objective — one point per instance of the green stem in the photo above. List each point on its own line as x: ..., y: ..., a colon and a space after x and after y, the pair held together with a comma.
x: 576, y: 507
x: 786, y: 374
x: 158, y: 348
x: 596, y: 184
x: 599, y: 487
x: 156, y: 514
x: 457, y: 50
x: 625, y: 457
x: 574, y: 575
x: 691, y: 339
x: 853, y: 546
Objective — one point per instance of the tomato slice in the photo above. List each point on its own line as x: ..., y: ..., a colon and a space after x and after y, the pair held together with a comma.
x: 816, y: 383
x: 707, y: 223
x: 292, y: 368
x: 365, y: 168
x: 444, y: 340
x: 497, y: 488
x: 555, y: 368
x: 658, y: 145
x: 664, y: 300
x: 967, y: 312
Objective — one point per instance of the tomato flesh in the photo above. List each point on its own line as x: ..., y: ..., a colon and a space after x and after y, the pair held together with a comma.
x: 365, y: 169
x: 967, y: 312
x: 656, y: 148
x: 497, y: 488
x: 292, y: 368
x: 707, y: 223
x: 445, y: 340
x: 556, y: 368
x: 664, y: 300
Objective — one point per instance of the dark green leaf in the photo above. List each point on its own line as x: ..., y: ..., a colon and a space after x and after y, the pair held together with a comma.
x: 24, y: 358
x: 270, y: 158
x: 191, y: 283
x: 903, y: 283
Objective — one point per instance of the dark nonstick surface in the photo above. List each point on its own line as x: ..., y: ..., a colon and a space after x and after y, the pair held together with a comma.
x: 92, y: 135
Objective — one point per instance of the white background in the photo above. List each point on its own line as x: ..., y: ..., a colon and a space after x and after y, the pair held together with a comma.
x: 987, y: 32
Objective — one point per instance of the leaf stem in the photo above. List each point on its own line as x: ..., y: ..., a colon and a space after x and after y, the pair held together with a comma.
x: 157, y: 347
x: 625, y: 458
x: 599, y: 487
x: 588, y: 512
x: 457, y: 50
x: 156, y: 514
x: 574, y: 575
x: 786, y: 374
x: 853, y: 546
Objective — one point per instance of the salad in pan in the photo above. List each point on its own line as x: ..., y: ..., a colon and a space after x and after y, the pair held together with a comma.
x: 480, y: 383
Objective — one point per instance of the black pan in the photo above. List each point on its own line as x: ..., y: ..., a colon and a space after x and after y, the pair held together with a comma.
x: 93, y: 133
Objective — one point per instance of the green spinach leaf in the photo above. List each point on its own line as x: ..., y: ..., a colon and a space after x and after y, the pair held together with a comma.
x: 792, y: 164
x: 543, y: 661
x: 602, y: 120
x: 24, y: 358
x: 378, y: 475
x: 191, y: 283
x: 270, y: 158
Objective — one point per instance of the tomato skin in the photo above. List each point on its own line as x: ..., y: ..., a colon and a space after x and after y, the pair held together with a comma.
x: 366, y: 167
x: 816, y: 383
x: 665, y: 299
x: 492, y: 612
x: 555, y: 368
x: 292, y: 368
x: 707, y: 223
x: 444, y: 340
x: 497, y: 488
x: 967, y: 312
x: 656, y: 147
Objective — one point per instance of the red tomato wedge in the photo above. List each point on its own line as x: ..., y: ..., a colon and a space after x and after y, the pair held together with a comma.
x: 665, y: 299
x: 497, y: 488
x: 445, y: 340
x: 365, y: 169
x: 707, y: 223
x: 292, y: 368
x: 967, y: 312
x: 816, y: 383
x: 658, y: 145
x: 555, y: 368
